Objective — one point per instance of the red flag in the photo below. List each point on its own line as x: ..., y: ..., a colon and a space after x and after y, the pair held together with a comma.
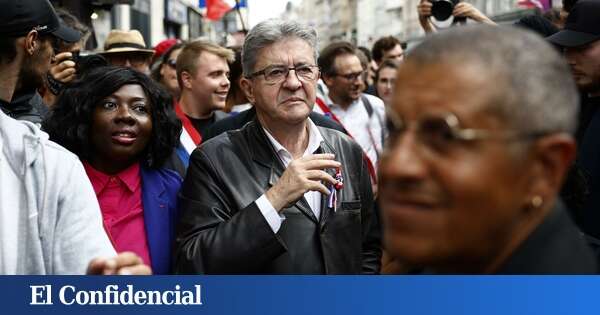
x: 215, y: 9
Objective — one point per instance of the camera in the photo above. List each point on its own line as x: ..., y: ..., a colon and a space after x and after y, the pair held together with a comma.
x: 86, y: 63
x: 75, y: 55
x: 441, y: 10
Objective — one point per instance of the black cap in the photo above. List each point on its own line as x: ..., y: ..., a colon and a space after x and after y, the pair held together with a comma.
x: 19, y: 17
x: 582, y: 26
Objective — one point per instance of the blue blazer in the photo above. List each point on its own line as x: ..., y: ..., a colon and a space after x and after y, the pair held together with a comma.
x: 161, y: 213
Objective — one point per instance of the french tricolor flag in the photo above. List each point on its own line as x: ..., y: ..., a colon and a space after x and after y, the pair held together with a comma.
x: 215, y: 9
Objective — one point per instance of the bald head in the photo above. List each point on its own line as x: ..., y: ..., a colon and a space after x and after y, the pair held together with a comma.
x: 530, y: 81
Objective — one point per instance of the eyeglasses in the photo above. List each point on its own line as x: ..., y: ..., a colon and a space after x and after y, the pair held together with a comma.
x: 277, y: 74
x: 120, y: 59
x: 443, y: 133
x: 172, y: 63
x: 351, y: 76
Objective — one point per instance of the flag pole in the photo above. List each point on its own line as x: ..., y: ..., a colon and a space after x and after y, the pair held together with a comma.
x: 237, y: 8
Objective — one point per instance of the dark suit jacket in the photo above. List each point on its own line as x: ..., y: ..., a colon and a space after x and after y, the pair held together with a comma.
x: 222, y: 230
x: 159, y: 199
x: 589, y: 160
x: 238, y: 121
x: 555, y: 247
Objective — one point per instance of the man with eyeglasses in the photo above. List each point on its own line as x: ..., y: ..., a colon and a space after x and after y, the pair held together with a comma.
x: 478, y: 148
x: 362, y: 115
x: 50, y: 221
x: 280, y: 195
x: 128, y: 49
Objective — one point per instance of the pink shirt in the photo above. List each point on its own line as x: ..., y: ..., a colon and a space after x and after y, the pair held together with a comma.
x: 120, y: 198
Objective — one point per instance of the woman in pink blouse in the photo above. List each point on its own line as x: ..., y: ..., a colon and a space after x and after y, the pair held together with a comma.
x: 121, y: 125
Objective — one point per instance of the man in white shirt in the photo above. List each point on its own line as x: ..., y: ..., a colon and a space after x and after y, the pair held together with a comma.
x: 280, y: 195
x: 362, y: 115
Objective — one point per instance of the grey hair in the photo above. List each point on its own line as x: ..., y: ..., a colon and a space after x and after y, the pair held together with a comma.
x: 535, y: 89
x: 270, y: 31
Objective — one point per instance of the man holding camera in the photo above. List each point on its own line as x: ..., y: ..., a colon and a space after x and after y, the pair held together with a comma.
x: 66, y: 62
x: 27, y: 103
x: 443, y: 9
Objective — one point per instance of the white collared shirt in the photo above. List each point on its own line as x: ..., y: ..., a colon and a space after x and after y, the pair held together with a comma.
x: 355, y: 119
x: 312, y: 197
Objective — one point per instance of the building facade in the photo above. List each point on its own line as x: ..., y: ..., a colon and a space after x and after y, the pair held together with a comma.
x: 363, y: 21
x: 155, y: 19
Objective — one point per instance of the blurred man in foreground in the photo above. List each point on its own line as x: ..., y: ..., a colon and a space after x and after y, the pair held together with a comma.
x: 478, y: 149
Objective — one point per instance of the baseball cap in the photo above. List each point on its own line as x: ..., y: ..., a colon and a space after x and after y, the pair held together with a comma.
x: 582, y: 26
x: 163, y: 46
x: 18, y: 18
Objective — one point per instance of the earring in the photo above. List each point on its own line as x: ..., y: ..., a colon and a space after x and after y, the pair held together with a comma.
x: 537, y: 201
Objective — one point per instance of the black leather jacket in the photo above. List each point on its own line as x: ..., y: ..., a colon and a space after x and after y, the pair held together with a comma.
x: 222, y: 231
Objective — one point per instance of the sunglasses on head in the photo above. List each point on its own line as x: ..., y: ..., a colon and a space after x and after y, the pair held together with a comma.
x: 171, y: 63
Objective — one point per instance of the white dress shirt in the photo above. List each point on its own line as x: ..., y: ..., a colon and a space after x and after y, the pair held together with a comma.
x: 312, y: 197
x: 355, y: 119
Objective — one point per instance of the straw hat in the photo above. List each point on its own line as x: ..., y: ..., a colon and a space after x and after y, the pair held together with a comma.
x: 125, y: 41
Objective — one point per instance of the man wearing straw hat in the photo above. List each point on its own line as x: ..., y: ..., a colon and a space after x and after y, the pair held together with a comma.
x: 128, y: 49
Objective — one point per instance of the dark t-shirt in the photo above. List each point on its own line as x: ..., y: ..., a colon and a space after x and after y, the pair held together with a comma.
x: 589, y: 160
x: 26, y: 105
x: 202, y: 125
x: 589, y: 106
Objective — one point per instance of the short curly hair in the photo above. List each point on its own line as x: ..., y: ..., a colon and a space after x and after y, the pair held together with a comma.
x: 382, y: 45
x: 69, y: 122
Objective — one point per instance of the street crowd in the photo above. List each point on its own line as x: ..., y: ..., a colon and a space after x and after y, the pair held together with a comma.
x: 475, y: 152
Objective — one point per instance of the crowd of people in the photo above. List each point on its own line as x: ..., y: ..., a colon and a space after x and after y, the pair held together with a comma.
x: 473, y: 152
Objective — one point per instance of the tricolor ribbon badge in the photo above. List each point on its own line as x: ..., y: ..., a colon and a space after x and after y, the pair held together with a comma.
x: 333, y: 189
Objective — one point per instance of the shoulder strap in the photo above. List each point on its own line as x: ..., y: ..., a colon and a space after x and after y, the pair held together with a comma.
x: 367, y: 104
x: 327, y: 112
x: 369, y: 109
x: 187, y: 125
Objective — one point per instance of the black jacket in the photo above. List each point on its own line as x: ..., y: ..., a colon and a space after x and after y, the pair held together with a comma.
x: 222, y: 231
x: 556, y: 246
x: 238, y: 121
x: 589, y: 160
x: 27, y: 106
